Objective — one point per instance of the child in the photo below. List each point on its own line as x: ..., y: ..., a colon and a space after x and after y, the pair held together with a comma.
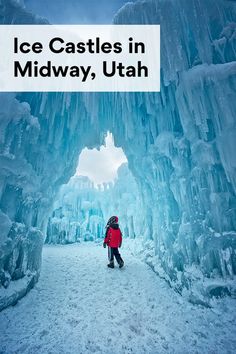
x: 113, y: 240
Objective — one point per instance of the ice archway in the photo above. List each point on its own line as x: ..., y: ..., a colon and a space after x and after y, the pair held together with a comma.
x: 179, y: 144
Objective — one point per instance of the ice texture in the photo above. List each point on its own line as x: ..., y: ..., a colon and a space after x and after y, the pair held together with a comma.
x: 77, y: 213
x: 81, y: 210
x: 179, y: 143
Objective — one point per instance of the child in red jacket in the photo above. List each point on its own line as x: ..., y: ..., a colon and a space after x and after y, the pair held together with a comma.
x: 113, y: 240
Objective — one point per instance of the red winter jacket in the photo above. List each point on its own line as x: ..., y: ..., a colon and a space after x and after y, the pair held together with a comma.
x: 113, y: 236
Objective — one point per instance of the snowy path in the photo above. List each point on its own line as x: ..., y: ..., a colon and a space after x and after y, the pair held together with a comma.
x: 81, y: 306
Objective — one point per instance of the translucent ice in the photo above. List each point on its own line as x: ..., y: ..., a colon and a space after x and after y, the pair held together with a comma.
x: 180, y: 144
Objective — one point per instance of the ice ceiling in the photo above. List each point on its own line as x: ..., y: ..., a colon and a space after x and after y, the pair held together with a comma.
x: 179, y: 144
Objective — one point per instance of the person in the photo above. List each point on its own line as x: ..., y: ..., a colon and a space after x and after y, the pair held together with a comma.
x: 113, y: 239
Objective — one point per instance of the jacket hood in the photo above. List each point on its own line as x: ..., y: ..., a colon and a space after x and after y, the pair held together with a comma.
x: 114, y: 226
x: 112, y: 220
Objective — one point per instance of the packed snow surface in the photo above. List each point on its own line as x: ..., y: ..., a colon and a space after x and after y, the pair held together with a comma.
x: 81, y: 306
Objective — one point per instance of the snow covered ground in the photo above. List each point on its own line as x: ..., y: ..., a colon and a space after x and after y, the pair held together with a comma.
x: 81, y: 306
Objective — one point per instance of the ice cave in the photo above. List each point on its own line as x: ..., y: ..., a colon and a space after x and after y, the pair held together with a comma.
x: 83, y: 205
x: 176, y: 195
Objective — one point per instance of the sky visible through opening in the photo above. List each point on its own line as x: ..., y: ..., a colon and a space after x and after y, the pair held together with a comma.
x: 101, y: 165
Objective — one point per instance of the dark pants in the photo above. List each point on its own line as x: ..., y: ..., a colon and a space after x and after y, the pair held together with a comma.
x: 113, y: 251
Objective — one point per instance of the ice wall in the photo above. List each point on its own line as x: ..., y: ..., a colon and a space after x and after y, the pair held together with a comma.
x: 185, y: 163
x: 37, y: 156
x: 123, y: 199
x: 14, y: 12
x: 38, y: 153
x: 77, y: 214
x: 180, y: 146
x: 81, y: 211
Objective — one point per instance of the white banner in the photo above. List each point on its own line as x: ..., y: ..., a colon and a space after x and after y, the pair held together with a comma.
x: 72, y: 58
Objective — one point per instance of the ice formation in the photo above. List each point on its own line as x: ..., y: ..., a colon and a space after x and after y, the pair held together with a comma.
x: 81, y: 211
x: 179, y: 143
x: 77, y: 213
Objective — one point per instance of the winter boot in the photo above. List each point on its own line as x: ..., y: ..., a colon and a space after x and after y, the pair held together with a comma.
x: 111, y: 265
x: 121, y: 264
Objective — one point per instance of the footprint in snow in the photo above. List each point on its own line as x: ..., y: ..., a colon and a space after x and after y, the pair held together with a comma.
x: 43, y: 333
x: 73, y: 322
x: 73, y: 305
x: 75, y: 291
